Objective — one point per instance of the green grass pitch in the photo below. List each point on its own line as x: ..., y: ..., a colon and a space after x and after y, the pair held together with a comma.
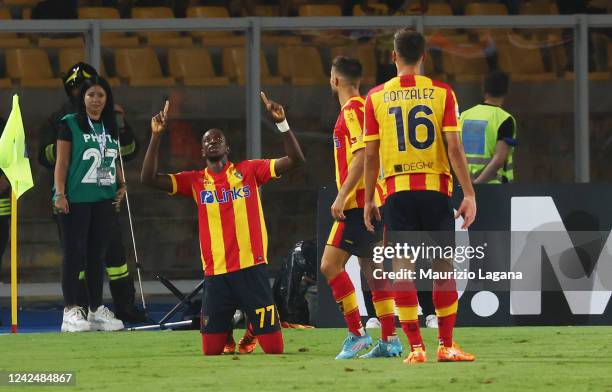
x: 507, y: 359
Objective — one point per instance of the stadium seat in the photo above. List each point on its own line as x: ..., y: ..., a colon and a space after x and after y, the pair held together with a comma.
x: 214, y: 38
x: 109, y: 39
x: 301, y: 65
x: 160, y: 38
x: 267, y: 10
x: 141, y: 68
x: 271, y: 39
x: 46, y: 42
x: 69, y: 56
x: 365, y: 54
x: 377, y: 9
x: 319, y: 10
x: 20, y: 3
x: 234, y: 66
x: 322, y: 37
x: 31, y: 68
x: 538, y: 8
x: 439, y: 9
x: 523, y: 63
x: 275, y: 39
x: 194, y: 67
x: 468, y: 64
x: 486, y: 9
x: 10, y: 40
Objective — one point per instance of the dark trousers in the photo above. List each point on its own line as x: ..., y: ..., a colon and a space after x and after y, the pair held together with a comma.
x: 5, y: 229
x: 85, y: 235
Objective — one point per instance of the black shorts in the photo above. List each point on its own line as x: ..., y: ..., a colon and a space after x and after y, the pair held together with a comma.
x: 247, y: 289
x: 420, y: 211
x: 352, y: 236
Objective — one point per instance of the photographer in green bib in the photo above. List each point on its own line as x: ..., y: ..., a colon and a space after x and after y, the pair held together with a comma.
x: 120, y: 281
x: 489, y: 134
x: 89, y: 185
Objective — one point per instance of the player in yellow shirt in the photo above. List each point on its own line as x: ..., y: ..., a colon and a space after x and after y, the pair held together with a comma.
x: 348, y: 235
x: 411, y: 133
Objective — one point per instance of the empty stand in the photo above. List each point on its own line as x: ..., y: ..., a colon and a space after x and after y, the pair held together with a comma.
x: 194, y: 67
x: 485, y: 9
x: 301, y: 65
x: 214, y: 38
x: 160, y: 38
x: 140, y: 67
x: 75, y: 42
x: 319, y: 10
x: 10, y: 40
x: 467, y: 63
x: 234, y: 66
x: 375, y: 9
x: 109, y: 39
x: 523, y: 62
x: 31, y: 67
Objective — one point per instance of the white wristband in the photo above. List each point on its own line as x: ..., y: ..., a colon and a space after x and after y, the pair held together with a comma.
x: 283, y: 126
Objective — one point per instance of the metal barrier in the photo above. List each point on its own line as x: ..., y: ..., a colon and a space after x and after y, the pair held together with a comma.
x: 253, y: 26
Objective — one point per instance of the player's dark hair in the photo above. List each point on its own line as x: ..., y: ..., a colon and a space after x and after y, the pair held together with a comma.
x: 108, y: 113
x: 409, y: 45
x: 348, y: 67
x: 496, y: 84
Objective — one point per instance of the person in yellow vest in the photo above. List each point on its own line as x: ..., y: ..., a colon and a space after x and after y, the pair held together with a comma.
x: 489, y: 134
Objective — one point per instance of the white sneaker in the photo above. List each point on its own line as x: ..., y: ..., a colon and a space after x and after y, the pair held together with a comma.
x: 431, y: 321
x: 103, y: 319
x: 372, y: 323
x: 74, y: 320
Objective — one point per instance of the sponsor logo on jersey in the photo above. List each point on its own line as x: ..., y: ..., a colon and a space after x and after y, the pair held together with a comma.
x: 224, y: 195
x: 336, y: 142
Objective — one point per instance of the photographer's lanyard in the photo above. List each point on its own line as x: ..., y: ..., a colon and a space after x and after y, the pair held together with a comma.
x: 101, y: 137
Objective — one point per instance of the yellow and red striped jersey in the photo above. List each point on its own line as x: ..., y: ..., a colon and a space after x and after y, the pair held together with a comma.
x: 232, y: 228
x: 348, y: 138
x: 409, y: 114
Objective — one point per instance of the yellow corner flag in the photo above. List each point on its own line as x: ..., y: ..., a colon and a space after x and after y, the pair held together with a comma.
x: 15, y: 164
x: 14, y: 160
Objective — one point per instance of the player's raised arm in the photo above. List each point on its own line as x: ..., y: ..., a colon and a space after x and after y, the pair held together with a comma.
x: 294, y: 157
x: 149, y: 175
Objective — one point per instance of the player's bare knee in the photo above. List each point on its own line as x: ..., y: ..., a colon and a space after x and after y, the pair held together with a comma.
x: 329, y: 269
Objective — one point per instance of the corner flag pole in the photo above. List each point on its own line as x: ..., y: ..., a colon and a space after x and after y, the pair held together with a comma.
x: 13, y: 262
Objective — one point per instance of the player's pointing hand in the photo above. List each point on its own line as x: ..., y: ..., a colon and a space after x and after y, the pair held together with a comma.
x: 275, y: 110
x: 158, y: 122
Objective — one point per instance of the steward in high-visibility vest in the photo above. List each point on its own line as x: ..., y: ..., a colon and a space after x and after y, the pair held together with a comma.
x: 489, y: 134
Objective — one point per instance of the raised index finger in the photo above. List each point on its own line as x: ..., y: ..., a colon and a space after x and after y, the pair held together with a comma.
x: 166, y: 107
x: 264, y: 98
